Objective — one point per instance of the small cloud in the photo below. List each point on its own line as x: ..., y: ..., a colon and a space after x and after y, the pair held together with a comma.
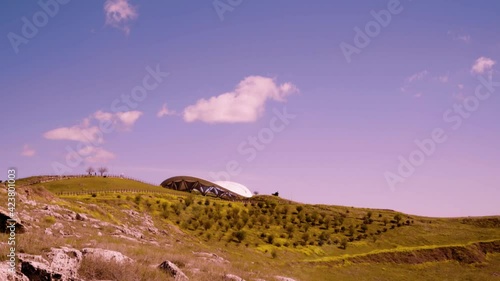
x: 459, y: 36
x: 119, y: 13
x: 417, y: 76
x: 417, y: 95
x: 28, y: 151
x: 87, y: 132
x: 482, y: 65
x: 164, y: 111
x: 82, y: 133
x: 92, y: 154
x: 246, y: 103
x: 460, y: 86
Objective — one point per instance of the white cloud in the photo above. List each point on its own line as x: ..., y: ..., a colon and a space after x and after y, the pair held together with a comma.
x: 482, y: 65
x: 417, y: 76
x: 460, y: 86
x: 28, y: 151
x: 164, y: 111
x: 92, y: 154
x: 417, y: 95
x: 87, y: 132
x: 119, y: 13
x: 246, y: 103
x: 82, y: 133
x: 128, y: 118
x: 459, y: 36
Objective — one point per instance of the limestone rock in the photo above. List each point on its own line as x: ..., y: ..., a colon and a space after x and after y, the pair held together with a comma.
x: 106, y: 255
x: 173, y: 270
x: 232, y: 277
x: 7, y: 275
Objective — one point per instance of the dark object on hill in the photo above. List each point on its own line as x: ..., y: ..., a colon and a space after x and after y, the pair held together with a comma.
x: 276, y: 193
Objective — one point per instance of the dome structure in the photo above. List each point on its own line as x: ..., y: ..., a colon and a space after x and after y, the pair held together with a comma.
x: 223, y: 189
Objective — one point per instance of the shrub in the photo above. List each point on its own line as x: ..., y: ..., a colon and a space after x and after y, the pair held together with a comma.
x: 240, y: 235
x: 270, y: 239
x: 274, y: 254
x: 94, y: 195
x: 50, y: 219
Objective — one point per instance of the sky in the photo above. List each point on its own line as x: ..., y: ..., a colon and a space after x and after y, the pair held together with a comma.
x: 380, y: 104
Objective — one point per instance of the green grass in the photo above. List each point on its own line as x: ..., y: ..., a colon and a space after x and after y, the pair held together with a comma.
x: 98, y: 184
x: 305, y: 236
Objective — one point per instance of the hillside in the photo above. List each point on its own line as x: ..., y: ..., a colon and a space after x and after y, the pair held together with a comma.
x: 259, y: 238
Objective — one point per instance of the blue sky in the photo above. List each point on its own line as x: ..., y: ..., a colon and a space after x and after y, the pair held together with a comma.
x: 232, y: 65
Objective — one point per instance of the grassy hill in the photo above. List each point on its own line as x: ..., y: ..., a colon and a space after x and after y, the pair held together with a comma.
x: 267, y: 235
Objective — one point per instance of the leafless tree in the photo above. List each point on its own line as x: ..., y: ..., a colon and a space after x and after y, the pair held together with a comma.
x: 90, y: 171
x: 102, y: 170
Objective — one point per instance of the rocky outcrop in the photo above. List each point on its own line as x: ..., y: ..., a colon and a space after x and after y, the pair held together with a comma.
x: 232, y: 277
x: 7, y: 275
x: 105, y: 255
x: 6, y: 220
x: 281, y: 278
x: 65, y: 260
x: 210, y: 257
x: 60, y: 264
x: 173, y: 270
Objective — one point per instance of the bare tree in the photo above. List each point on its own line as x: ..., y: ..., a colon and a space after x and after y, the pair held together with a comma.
x: 90, y: 171
x: 102, y: 170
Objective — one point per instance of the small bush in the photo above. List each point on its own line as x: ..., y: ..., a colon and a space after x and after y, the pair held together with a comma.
x: 49, y: 219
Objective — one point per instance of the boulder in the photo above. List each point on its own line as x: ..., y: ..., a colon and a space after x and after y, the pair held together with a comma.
x: 7, y: 275
x: 105, y: 255
x: 173, y: 270
x: 65, y: 260
x: 6, y: 220
x: 61, y: 264
x: 231, y: 277
x: 281, y: 278
x: 210, y: 257
x: 81, y: 217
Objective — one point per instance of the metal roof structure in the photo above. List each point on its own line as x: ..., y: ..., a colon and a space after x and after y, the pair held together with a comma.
x: 222, y: 189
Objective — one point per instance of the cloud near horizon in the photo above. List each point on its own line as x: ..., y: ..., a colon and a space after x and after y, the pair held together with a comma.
x: 119, y: 13
x: 87, y: 133
x: 482, y: 64
x: 94, y: 154
x: 90, y: 134
x: 246, y: 103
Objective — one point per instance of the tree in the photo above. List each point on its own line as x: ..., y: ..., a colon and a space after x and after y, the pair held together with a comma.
x: 255, y: 193
x: 240, y: 235
x: 343, y: 243
x: 397, y: 218
x: 90, y: 171
x: 364, y: 228
x: 102, y: 170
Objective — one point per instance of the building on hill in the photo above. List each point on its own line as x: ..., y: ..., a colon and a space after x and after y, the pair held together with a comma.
x: 222, y: 189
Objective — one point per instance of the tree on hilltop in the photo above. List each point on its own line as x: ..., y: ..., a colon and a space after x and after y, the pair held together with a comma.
x: 102, y: 170
x: 90, y: 171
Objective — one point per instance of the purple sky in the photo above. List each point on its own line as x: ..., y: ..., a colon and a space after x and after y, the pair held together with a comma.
x: 319, y: 101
